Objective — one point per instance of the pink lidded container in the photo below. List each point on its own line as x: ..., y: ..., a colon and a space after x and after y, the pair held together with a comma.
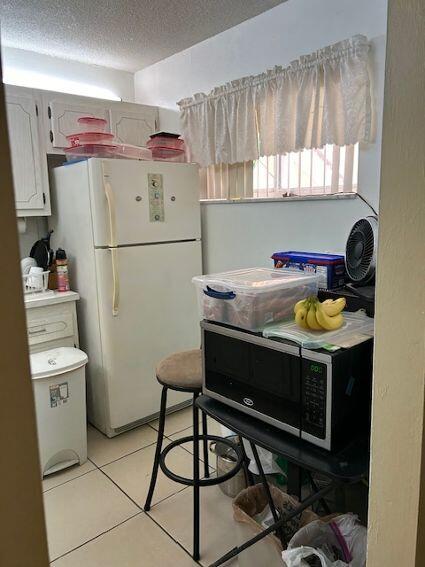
x: 89, y: 138
x: 167, y: 147
x: 92, y: 124
x: 132, y: 152
x: 108, y: 151
x: 90, y: 150
x: 170, y: 142
x: 168, y: 154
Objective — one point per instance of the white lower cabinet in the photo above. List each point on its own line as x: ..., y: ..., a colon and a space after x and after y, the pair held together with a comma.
x: 52, y: 321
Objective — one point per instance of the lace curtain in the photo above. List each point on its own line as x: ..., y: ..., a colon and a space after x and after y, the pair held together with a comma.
x: 322, y: 98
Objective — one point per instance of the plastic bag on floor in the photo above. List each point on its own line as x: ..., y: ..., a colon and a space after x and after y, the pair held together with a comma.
x: 355, y: 536
x: 309, y: 557
x: 267, y: 460
x: 339, y: 542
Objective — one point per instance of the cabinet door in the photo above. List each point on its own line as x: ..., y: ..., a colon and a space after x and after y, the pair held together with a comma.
x: 63, y: 114
x: 28, y: 161
x: 133, y: 123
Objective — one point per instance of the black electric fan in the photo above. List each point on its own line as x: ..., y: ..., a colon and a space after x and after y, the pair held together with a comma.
x: 360, y: 257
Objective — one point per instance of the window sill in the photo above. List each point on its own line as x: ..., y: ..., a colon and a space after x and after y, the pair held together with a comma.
x: 333, y: 197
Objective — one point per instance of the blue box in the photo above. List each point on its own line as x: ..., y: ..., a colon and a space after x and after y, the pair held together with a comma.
x: 331, y: 267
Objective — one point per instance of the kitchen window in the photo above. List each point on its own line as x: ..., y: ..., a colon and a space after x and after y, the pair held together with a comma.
x: 325, y: 171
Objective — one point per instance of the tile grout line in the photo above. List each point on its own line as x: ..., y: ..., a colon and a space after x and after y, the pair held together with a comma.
x: 126, y: 455
x: 67, y: 481
x: 134, y: 502
x: 140, y: 509
x: 170, y: 536
x: 121, y: 490
x: 149, y: 516
x: 139, y: 513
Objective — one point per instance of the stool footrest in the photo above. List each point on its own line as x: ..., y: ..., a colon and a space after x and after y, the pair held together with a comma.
x: 202, y: 481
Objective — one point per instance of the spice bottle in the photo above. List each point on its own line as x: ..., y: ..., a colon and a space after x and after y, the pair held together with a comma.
x: 62, y: 270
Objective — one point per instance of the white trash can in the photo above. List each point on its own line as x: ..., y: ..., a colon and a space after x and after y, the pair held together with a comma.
x: 59, y: 385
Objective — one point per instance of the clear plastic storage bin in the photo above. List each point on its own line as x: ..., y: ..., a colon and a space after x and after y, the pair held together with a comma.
x: 252, y: 298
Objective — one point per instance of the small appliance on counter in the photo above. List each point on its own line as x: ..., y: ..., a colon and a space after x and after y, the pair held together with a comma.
x: 42, y: 252
x: 322, y: 397
x: 360, y: 258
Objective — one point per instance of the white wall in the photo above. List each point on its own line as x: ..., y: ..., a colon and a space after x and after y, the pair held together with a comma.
x: 120, y: 83
x: 246, y: 234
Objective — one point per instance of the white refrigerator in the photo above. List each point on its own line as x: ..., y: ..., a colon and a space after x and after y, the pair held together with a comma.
x: 131, y: 230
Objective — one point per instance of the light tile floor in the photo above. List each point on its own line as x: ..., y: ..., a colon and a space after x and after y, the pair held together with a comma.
x: 94, y: 512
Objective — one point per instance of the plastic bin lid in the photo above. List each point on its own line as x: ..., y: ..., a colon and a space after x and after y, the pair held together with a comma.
x: 256, y: 280
x: 56, y: 361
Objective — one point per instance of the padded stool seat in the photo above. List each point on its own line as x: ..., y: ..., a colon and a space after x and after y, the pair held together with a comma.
x: 182, y: 370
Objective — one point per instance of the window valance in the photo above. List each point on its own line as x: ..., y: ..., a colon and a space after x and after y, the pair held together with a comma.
x: 322, y: 98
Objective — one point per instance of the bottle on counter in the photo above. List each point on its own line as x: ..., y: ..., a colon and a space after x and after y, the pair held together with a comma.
x: 62, y: 275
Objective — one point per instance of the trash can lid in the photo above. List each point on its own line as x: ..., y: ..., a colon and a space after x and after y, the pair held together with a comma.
x: 56, y: 361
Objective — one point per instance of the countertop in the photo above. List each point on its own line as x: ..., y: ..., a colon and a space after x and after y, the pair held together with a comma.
x: 49, y: 298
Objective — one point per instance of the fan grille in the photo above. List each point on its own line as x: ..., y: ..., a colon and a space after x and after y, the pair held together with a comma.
x: 359, y: 252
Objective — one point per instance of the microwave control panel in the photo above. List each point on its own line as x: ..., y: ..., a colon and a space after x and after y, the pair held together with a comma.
x: 314, y: 391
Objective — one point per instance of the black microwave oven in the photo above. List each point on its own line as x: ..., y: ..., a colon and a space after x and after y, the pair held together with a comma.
x: 322, y: 397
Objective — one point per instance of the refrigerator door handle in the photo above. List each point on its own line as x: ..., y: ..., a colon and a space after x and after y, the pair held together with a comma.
x: 111, y: 209
x: 116, y: 282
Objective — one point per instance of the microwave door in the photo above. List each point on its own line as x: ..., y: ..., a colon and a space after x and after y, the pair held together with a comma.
x: 260, y: 381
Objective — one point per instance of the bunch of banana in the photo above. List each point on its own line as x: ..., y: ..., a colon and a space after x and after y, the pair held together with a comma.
x: 316, y: 316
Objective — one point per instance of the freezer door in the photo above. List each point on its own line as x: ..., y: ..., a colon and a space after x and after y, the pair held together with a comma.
x: 156, y: 315
x: 136, y: 202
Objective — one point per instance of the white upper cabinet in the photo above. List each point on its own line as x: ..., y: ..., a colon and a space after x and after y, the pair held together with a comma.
x: 133, y: 123
x: 38, y: 123
x: 29, y: 164
x: 63, y: 112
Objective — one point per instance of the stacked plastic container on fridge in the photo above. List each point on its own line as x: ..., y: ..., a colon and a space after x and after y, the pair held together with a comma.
x: 94, y: 141
x: 167, y: 147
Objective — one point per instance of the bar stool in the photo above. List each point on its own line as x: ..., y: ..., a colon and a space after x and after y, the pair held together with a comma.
x: 182, y: 371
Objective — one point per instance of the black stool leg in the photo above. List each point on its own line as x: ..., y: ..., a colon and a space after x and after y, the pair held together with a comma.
x: 245, y: 465
x: 196, y: 502
x: 158, y: 449
x: 266, y: 488
x: 206, y: 459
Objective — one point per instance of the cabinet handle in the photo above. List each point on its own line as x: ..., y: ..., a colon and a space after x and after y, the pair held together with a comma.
x: 36, y: 331
x: 51, y: 136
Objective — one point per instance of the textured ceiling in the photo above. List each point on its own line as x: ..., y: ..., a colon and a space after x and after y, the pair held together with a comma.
x: 126, y: 34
